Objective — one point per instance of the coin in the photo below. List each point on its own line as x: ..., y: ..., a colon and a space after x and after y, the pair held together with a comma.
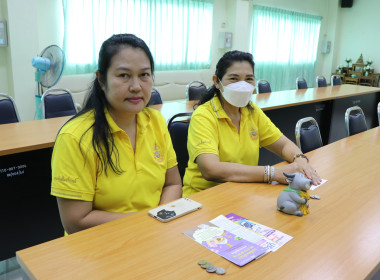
x: 200, y: 262
x: 206, y: 265
x: 211, y: 268
x: 220, y: 271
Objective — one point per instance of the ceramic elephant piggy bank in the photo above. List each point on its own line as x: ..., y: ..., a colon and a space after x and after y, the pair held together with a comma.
x: 293, y: 200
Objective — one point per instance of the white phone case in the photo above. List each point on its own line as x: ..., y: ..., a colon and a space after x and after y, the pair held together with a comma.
x: 174, y: 209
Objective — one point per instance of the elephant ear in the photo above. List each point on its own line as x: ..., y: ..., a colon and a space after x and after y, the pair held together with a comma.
x: 289, y: 177
x: 289, y: 180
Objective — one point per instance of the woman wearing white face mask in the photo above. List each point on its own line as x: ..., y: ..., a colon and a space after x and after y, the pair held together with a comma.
x: 227, y: 130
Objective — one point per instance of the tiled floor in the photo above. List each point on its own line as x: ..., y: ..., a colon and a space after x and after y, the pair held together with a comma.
x: 10, y: 270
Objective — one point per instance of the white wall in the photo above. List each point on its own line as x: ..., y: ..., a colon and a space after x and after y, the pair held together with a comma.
x: 23, y: 46
x: 325, y: 62
x: 3, y: 56
x: 34, y: 24
x: 243, y: 25
x: 358, y: 33
x: 50, y: 23
x: 219, y: 25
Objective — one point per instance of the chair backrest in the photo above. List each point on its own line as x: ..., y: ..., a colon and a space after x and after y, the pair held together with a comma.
x: 320, y: 81
x: 336, y: 80
x: 8, y: 109
x: 308, y: 138
x: 57, y: 102
x: 263, y: 86
x: 378, y: 112
x: 155, y: 98
x: 301, y: 83
x: 178, y: 130
x: 355, y: 123
x: 195, y: 92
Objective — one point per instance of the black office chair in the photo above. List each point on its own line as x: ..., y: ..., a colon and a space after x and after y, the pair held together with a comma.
x: 178, y: 130
x: 336, y: 80
x: 320, y: 81
x: 58, y: 102
x: 263, y: 86
x: 308, y: 138
x: 155, y: 98
x: 301, y: 83
x: 8, y: 109
x: 195, y: 92
x: 355, y: 123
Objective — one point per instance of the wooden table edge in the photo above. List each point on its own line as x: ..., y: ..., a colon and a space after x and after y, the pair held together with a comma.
x: 375, y: 90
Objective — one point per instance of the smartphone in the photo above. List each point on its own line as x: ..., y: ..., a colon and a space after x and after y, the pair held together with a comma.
x: 175, y: 209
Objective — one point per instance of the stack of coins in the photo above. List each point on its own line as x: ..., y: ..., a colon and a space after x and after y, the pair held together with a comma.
x: 211, y: 268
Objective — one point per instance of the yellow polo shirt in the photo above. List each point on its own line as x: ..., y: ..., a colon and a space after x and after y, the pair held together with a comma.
x: 75, y: 174
x: 211, y: 131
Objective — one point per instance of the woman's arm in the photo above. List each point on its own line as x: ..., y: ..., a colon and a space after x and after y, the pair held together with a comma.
x: 286, y: 149
x: 213, y: 169
x: 77, y: 215
x: 172, y: 189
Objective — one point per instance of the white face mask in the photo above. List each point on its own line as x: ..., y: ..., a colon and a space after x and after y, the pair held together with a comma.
x: 238, y: 94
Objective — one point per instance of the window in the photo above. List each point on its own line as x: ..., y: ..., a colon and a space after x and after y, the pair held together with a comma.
x: 284, y: 45
x: 178, y: 32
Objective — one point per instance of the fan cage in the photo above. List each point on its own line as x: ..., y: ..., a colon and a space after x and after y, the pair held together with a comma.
x: 57, y: 60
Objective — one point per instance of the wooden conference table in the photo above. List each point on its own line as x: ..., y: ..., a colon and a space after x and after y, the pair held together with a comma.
x: 30, y: 135
x: 339, y: 239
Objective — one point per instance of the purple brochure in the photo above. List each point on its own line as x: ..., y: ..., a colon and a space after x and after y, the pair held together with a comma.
x: 225, y: 244
x: 272, y: 234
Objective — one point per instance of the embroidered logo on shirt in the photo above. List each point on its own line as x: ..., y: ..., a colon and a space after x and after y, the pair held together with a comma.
x: 158, y: 156
x: 66, y: 179
x: 253, y: 133
x: 203, y: 142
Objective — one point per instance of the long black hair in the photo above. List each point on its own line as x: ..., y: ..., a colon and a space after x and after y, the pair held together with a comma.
x: 102, y: 139
x: 223, y: 64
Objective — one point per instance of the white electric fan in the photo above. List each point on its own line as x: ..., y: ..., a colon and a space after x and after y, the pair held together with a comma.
x: 49, y: 67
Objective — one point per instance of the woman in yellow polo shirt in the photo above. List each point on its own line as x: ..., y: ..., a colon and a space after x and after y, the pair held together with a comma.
x: 227, y: 130
x: 115, y: 157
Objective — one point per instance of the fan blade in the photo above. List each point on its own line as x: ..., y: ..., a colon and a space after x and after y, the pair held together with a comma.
x: 55, y: 56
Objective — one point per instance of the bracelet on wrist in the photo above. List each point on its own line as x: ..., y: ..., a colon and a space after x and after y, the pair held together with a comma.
x: 266, y: 173
x: 300, y: 156
x: 271, y: 175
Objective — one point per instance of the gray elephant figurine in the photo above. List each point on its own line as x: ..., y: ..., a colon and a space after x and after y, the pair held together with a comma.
x: 293, y: 200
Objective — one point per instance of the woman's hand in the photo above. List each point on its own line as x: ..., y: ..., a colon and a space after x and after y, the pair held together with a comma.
x: 287, y: 150
x: 305, y: 168
x: 299, y: 165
